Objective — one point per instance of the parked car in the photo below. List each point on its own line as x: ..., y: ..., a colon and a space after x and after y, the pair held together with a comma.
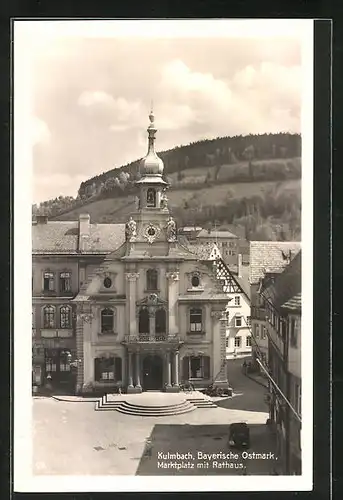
x: 239, y: 435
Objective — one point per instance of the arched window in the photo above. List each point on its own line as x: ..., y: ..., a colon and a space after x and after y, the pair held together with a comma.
x: 152, y: 279
x: 107, y: 321
x: 151, y: 198
x: 49, y: 317
x: 196, y: 320
x: 143, y: 323
x: 160, y: 319
x: 65, y: 317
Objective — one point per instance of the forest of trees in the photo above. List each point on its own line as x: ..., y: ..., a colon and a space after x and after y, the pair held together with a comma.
x: 254, y: 158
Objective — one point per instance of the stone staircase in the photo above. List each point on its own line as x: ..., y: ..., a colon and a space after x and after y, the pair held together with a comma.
x: 202, y: 402
x: 153, y: 405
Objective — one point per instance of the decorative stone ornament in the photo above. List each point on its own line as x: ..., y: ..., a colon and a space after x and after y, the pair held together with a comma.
x: 131, y: 230
x: 173, y: 275
x: 171, y: 230
x: 151, y: 233
x: 218, y: 315
x: 132, y: 276
x: 86, y: 317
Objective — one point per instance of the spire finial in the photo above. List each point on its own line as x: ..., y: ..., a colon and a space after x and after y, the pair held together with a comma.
x: 152, y: 116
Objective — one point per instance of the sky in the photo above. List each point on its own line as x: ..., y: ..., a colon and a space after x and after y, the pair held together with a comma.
x: 91, y: 98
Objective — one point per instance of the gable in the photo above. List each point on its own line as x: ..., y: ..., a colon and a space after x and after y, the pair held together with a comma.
x: 230, y: 283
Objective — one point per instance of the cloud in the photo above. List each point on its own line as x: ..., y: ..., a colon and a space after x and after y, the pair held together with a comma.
x: 40, y: 131
x: 92, y: 97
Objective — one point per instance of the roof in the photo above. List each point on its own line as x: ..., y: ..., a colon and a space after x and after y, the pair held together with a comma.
x: 269, y: 256
x: 243, y: 280
x: 286, y: 286
x: 63, y: 237
x: 216, y: 234
x: 205, y: 251
x: 293, y: 304
x: 190, y: 228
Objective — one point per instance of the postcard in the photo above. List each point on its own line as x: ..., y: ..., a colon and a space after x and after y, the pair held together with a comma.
x: 163, y: 255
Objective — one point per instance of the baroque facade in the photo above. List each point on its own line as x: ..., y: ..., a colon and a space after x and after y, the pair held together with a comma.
x: 148, y: 313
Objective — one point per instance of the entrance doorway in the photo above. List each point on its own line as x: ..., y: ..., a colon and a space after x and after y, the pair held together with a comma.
x: 58, y: 370
x: 152, y: 373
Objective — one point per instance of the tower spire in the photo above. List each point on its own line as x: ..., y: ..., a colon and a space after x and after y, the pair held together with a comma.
x: 151, y: 131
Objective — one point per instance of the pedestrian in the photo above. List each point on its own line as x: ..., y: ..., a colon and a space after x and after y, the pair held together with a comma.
x: 245, y: 367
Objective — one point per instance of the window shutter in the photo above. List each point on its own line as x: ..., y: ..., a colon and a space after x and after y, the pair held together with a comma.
x: 185, y: 370
x: 118, y: 369
x: 206, y: 366
x: 97, y: 369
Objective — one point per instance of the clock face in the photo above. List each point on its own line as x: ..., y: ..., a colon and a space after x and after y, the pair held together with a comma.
x: 151, y: 233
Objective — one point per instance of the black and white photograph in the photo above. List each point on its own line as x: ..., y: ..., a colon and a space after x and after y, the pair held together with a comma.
x: 163, y: 235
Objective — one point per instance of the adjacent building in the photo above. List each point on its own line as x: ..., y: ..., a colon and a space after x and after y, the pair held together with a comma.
x: 267, y: 260
x: 279, y: 298
x: 61, y: 263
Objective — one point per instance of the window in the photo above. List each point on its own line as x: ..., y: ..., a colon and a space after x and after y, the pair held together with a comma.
x: 108, y: 369
x: 263, y: 332
x: 160, y: 321
x: 227, y: 341
x: 195, y: 318
x: 48, y: 282
x: 248, y: 341
x: 104, y: 369
x: 249, y: 320
x: 293, y: 332
x: 196, y: 367
x: 107, y: 321
x: 65, y: 317
x: 50, y: 365
x: 144, y: 321
x: 107, y: 282
x: 152, y: 279
x: 65, y: 358
x: 65, y: 282
x: 238, y: 321
x: 195, y: 281
x: 151, y: 198
x: 238, y: 341
x: 257, y: 331
x: 297, y: 398
x: 237, y: 300
x: 49, y: 317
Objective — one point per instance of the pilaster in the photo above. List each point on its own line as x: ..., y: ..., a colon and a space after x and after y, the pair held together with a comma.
x: 173, y: 285
x: 132, y: 292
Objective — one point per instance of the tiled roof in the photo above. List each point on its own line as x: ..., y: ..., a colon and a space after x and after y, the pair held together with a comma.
x: 269, y: 255
x: 63, y: 237
x: 285, y: 285
x: 216, y: 234
x: 204, y: 251
x: 293, y: 304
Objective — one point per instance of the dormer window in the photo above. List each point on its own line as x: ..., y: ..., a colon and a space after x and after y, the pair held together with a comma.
x: 151, y: 198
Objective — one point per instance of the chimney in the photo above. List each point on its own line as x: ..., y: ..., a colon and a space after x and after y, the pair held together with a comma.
x: 239, y: 266
x: 84, y: 230
x: 42, y: 219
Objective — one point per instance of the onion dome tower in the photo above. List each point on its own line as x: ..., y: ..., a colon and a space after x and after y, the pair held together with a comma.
x: 151, y: 184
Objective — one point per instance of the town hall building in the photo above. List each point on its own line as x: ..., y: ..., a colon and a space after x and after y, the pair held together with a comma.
x: 147, y: 315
